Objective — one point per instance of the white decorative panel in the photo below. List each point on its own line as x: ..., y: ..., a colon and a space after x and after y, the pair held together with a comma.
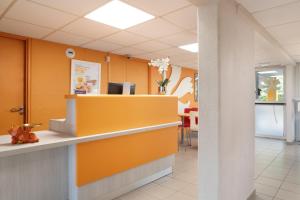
x: 185, y: 87
x: 174, y: 79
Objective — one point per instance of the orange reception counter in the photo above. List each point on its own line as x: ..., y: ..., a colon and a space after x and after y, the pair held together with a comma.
x: 107, y: 145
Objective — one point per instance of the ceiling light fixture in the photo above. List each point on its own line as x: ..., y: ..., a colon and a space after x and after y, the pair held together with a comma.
x: 268, y: 72
x: 119, y: 15
x: 190, y: 47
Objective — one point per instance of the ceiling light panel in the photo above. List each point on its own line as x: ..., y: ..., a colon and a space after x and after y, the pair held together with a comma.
x: 190, y: 47
x: 119, y: 14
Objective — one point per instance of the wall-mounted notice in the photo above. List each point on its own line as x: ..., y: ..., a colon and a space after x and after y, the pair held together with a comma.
x: 85, y: 77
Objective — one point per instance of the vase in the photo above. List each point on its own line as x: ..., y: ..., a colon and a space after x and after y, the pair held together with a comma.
x: 161, y: 90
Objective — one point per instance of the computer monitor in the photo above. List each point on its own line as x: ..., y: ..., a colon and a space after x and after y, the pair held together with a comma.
x: 117, y: 88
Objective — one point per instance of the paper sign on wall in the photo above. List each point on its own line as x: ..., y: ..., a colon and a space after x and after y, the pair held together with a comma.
x: 85, y: 77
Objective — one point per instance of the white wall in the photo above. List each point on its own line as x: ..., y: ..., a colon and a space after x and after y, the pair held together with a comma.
x: 226, y: 98
x: 289, y: 108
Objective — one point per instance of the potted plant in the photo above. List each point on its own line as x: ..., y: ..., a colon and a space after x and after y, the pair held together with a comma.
x: 162, y: 64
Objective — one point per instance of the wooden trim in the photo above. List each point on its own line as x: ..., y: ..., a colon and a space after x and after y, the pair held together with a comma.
x: 27, y: 93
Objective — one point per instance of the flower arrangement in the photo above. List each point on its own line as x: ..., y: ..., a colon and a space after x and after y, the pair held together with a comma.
x: 162, y: 64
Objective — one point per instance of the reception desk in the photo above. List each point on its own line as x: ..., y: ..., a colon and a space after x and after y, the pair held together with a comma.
x: 108, y: 145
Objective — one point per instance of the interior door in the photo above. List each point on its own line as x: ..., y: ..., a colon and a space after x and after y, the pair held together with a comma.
x: 12, y: 65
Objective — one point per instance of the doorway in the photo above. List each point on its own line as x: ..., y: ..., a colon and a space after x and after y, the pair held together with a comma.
x: 270, y: 102
x: 12, y: 79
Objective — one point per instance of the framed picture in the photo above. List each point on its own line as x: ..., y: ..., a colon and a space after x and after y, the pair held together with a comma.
x: 196, y: 87
x: 85, y: 77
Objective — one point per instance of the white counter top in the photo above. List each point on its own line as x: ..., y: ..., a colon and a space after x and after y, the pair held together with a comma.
x: 52, y: 139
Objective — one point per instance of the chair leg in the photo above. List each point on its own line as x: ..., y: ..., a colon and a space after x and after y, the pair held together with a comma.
x: 190, y: 137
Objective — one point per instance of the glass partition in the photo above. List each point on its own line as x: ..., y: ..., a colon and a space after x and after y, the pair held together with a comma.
x: 270, y: 85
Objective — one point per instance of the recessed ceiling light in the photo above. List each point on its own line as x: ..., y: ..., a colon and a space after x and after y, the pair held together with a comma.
x: 268, y: 72
x: 190, y: 47
x: 119, y: 14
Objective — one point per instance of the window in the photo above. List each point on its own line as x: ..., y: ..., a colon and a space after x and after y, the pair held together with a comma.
x: 270, y: 85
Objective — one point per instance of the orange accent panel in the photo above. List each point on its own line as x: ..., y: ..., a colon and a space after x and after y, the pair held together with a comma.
x: 107, y: 113
x: 103, y: 158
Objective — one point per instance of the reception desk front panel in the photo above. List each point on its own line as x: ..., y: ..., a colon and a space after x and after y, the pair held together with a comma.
x: 107, y: 113
x: 107, y: 162
x: 104, y: 158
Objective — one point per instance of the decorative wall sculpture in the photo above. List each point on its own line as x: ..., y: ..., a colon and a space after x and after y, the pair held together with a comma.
x: 184, y: 87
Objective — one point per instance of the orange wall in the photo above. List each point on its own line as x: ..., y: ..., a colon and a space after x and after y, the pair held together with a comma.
x: 123, y: 69
x: 50, y: 77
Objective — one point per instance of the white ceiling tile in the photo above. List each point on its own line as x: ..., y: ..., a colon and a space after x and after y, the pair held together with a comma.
x: 173, y: 52
x: 67, y: 38
x: 186, y: 64
x: 155, y: 28
x: 4, y: 5
x: 158, y: 7
x: 125, y: 38
x: 293, y: 49
x: 286, y: 34
x: 181, y: 38
x: 189, y: 57
x: 296, y: 58
x: 279, y: 15
x: 39, y: 15
x: 101, y: 45
x: 89, y: 28
x: 258, y: 5
x: 76, y: 7
x: 151, y: 46
x: 24, y: 29
x: 185, y: 18
x: 150, y: 56
x: 129, y: 51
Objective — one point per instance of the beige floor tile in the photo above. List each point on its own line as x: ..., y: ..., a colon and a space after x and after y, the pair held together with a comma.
x: 286, y: 195
x: 158, y: 191
x: 137, y: 195
x: 260, y: 196
x: 293, y: 179
x: 180, y: 196
x: 190, y: 189
x: 291, y: 187
x: 266, y: 190
x: 268, y: 182
x: 174, y: 184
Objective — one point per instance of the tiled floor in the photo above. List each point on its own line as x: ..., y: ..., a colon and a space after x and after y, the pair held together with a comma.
x: 277, y: 170
x: 277, y: 175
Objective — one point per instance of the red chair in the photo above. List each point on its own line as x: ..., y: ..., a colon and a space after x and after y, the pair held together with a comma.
x: 186, y: 123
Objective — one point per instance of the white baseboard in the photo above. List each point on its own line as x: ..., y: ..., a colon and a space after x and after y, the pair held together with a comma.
x: 135, y: 185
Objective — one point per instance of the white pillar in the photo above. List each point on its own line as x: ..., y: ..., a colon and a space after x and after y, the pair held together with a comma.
x: 226, y: 101
x: 289, y: 109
